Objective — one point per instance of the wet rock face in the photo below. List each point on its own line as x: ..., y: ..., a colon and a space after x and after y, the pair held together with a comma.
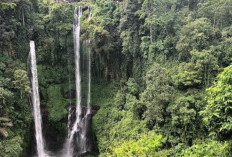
x: 84, y: 8
x: 94, y: 110
x: 55, y: 138
x: 84, y: 129
x: 89, y: 144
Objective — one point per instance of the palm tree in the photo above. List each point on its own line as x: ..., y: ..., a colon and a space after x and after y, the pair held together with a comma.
x: 4, y: 122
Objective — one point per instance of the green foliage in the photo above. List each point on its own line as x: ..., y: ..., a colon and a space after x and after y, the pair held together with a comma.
x: 115, y: 122
x: 4, y: 95
x: 146, y: 145
x: 183, y: 119
x: 200, y: 71
x: 223, y: 50
x: 195, y: 35
x: 217, y: 112
x: 190, y: 39
x: 12, y: 147
x: 218, y: 11
x: 21, y: 81
x: 104, y: 90
x: 208, y: 149
x: 205, y: 64
x: 13, y: 105
x: 187, y: 76
x: 56, y: 103
x: 102, y: 121
x: 60, y: 15
x: 133, y: 87
x: 157, y: 95
x: 7, y: 5
x: 51, y: 75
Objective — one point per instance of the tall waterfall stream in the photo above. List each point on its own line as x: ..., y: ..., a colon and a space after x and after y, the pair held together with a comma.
x: 36, y: 103
x: 77, y: 142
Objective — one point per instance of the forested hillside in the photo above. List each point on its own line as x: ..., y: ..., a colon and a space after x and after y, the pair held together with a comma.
x: 161, y: 75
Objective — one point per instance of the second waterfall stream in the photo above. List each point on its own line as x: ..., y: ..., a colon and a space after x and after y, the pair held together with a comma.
x: 76, y: 143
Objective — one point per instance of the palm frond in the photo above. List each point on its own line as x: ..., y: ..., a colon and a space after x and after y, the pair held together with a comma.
x: 3, y: 132
x: 9, y: 124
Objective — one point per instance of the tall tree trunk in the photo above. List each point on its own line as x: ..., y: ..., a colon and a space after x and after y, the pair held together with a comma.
x: 23, y: 18
x: 21, y: 94
x: 151, y: 31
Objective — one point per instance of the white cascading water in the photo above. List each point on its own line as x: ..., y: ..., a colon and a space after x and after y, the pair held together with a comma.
x: 36, y: 103
x: 89, y: 70
x: 76, y: 36
x: 76, y: 32
x: 86, y: 48
x: 89, y: 78
x: 80, y: 124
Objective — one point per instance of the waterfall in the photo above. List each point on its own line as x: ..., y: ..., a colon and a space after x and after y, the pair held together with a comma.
x: 36, y: 103
x: 79, y: 140
x: 75, y: 128
x: 89, y: 78
x: 89, y: 70
x: 90, y: 13
x: 79, y: 131
x: 76, y: 33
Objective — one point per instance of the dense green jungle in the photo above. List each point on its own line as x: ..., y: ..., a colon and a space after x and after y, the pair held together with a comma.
x: 161, y: 75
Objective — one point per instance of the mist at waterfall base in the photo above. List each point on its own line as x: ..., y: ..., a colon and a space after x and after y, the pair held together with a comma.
x: 79, y: 141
